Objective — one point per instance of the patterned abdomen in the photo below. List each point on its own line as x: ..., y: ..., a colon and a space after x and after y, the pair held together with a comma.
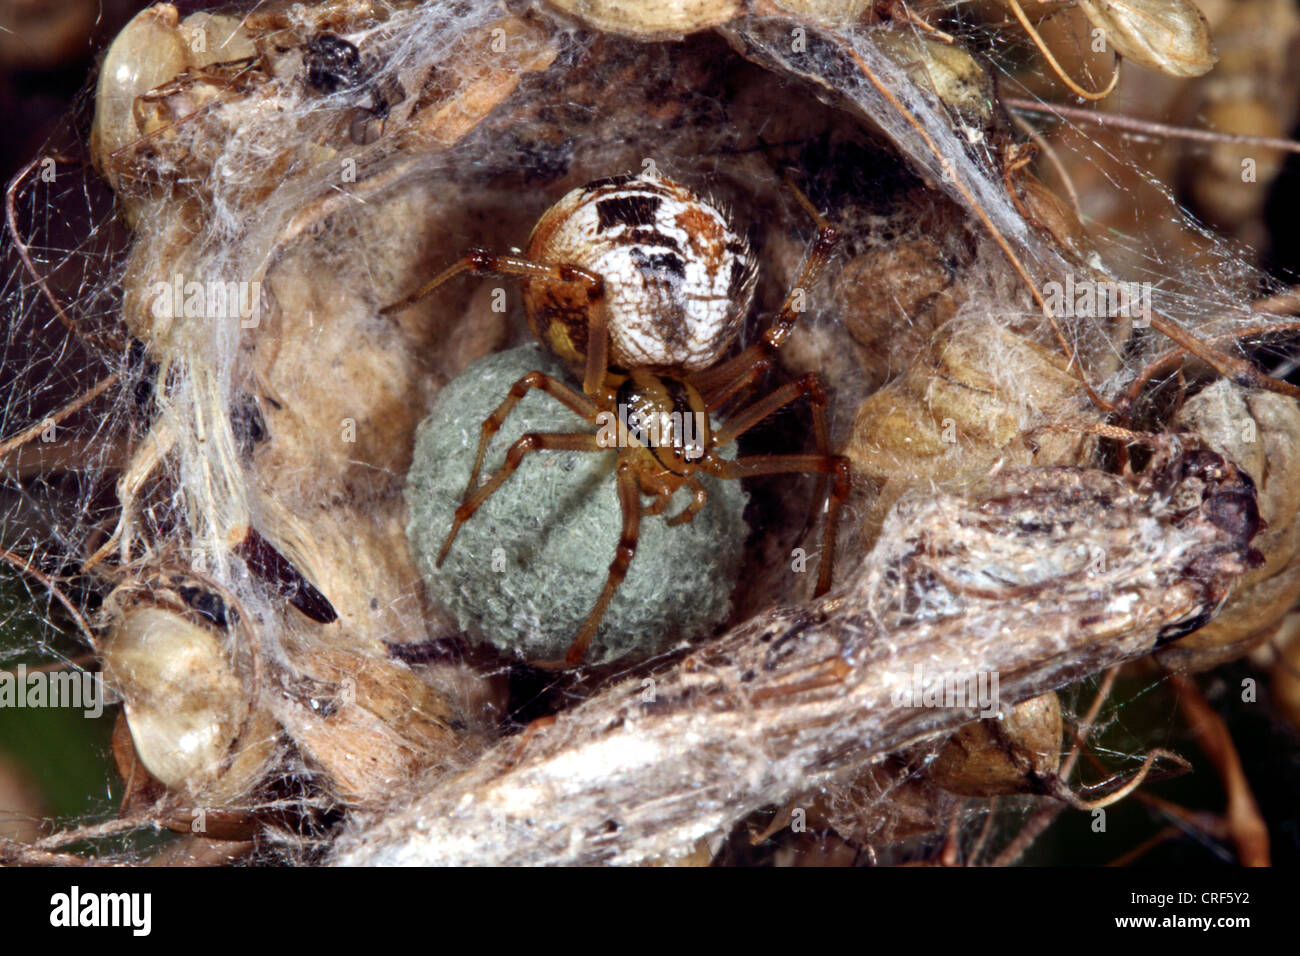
x: 678, y: 278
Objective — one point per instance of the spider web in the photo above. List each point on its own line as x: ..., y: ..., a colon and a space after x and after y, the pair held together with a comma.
x: 69, y: 268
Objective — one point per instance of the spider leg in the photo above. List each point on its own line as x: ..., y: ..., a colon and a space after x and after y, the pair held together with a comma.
x: 747, y: 418
x: 593, y: 379
x: 836, y: 466
x: 687, y: 514
x: 744, y: 370
x: 562, y: 393
x: 660, y: 504
x: 482, y: 262
x: 629, y: 499
x: 651, y: 484
x: 533, y: 441
x: 810, y: 385
x: 726, y: 379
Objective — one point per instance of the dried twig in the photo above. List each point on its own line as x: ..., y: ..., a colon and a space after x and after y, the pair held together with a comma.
x: 1246, y: 826
x: 1133, y: 124
x: 54, y: 418
x: 802, y: 696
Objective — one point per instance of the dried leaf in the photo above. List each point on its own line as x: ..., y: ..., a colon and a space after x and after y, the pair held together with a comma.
x: 1167, y: 35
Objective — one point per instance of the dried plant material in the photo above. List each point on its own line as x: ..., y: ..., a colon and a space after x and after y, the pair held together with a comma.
x: 1018, y: 752
x: 1286, y: 668
x: 894, y: 298
x: 1167, y: 35
x: 1261, y: 433
x: 883, y: 805
x: 170, y: 96
x: 192, y: 850
x: 186, y: 708
x: 833, y: 12
x: 1019, y: 13
x: 801, y: 696
x: 368, y: 724
x: 1046, y: 210
x: 147, y: 53
x: 448, y: 111
x: 959, y: 411
x: 356, y: 150
x: 947, y: 71
x: 217, y: 38
x: 651, y: 19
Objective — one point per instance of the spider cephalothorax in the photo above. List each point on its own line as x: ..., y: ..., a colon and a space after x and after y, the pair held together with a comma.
x: 641, y: 286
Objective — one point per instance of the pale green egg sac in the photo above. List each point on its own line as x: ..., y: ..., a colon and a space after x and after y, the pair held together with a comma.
x: 526, y: 569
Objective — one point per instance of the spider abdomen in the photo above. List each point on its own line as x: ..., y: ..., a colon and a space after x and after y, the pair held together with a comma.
x: 678, y: 278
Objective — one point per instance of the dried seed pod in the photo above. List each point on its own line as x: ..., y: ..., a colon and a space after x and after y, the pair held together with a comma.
x: 1167, y: 35
x: 883, y: 805
x: 148, y: 52
x: 1017, y: 753
x: 191, y: 720
x: 216, y: 38
x: 1045, y: 209
x: 369, y: 723
x: 948, y: 71
x: 170, y: 115
x: 831, y: 12
x: 651, y: 19
x: 893, y: 298
x: 1260, y: 431
x: 449, y: 111
x: 952, y: 416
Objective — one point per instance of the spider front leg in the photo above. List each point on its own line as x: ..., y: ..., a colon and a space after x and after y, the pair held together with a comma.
x: 532, y: 441
x: 492, y: 424
x: 481, y: 262
x: 484, y: 263
x: 629, y: 500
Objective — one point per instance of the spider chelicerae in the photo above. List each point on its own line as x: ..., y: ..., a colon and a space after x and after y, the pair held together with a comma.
x: 641, y: 286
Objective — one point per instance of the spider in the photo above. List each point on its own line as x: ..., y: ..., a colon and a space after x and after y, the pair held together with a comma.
x: 333, y: 63
x: 641, y: 286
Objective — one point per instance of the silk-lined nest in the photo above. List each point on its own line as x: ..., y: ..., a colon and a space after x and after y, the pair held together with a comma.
x: 259, y: 591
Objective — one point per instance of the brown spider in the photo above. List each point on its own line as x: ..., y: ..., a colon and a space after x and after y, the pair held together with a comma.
x: 640, y: 285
